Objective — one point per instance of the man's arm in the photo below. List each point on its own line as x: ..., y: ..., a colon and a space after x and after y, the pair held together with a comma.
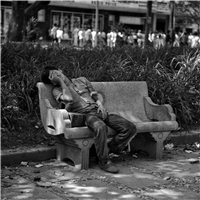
x: 64, y: 94
x: 90, y: 88
x: 94, y: 95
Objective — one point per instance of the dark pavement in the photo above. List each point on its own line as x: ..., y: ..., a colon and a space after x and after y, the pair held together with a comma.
x: 175, y: 177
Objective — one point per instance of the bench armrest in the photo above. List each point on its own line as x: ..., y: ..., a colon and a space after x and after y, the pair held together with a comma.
x: 158, y: 112
x: 57, y: 120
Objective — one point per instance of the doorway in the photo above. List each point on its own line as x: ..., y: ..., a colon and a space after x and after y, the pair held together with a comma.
x: 160, y: 25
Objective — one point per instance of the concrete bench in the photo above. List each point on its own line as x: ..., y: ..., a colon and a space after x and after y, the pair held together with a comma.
x: 128, y: 99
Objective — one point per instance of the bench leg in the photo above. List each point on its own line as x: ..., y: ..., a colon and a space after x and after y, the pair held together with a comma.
x: 152, y: 143
x: 159, y: 138
x: 75, y: 150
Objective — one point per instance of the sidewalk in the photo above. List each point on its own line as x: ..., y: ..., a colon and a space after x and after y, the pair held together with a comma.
x: 39, y: 176
x: 175, y: 177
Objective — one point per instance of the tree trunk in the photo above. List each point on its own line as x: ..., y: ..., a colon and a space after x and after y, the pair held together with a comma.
x: 172, y: 17
x: 16, y: 25
x: 148, y: 22
x: 20, y: 16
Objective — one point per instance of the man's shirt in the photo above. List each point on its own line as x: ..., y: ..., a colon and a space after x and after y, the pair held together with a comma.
x: 81, y: 92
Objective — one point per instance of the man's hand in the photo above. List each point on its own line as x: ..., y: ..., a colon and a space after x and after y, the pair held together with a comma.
x: 55, y: 79
x: 101, y: 109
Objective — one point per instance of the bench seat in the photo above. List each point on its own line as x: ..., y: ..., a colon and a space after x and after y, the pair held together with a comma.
x: 84, y: 132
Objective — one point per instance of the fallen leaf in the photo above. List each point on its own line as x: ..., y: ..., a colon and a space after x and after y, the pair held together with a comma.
x: 194, y: 161
x: 166, y: 178
x: 59, y: 173
x: 39, y: 165
x: 188, y: 151
x: 24, y: 163
x: 42, y: 184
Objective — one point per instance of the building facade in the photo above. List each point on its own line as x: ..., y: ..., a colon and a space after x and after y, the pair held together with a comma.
x: 70, y: 14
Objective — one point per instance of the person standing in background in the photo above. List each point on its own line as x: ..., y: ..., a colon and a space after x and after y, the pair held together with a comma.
x: 59, y: 35
x: 80, y: 37
x: 53, y: 33
x: 83, y: 35
x: 168, y: 38
x: 75, y: 36
x: 114, y: 38
x: 93, y: 33
x: 88, y: 36
x: 103, y: 36
x: 108, y: 39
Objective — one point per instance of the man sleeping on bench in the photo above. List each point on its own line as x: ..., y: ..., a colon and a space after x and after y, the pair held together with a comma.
x: 78, y: 95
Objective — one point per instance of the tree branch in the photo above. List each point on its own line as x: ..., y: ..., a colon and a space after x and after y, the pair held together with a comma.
x: 189, y: 9
x: 35, y: 7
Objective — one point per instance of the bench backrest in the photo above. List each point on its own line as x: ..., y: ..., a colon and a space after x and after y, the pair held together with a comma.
x: 123, y: 98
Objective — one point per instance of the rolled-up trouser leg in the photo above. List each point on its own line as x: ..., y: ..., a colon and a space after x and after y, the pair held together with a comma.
x: 125, y: 131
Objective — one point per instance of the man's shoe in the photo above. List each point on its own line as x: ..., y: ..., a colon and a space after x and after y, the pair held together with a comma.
x: 109, y: 167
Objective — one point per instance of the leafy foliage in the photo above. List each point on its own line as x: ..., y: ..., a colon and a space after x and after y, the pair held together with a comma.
x: 172, y: 74
x: 189, y: 12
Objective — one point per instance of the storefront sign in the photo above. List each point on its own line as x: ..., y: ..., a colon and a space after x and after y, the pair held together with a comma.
x: 162, y: 6
x: 130, y: 20
x: 104, y: 3
x: 67, y: 0
x: 156, y: 6
x: 113, y: 3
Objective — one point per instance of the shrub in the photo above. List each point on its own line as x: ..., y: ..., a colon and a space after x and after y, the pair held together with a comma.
x: 172, y: 74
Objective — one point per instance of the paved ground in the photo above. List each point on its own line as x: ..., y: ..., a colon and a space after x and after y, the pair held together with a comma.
x: 175, y: 177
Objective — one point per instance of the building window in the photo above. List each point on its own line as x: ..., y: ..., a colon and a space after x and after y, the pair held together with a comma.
x: 56, y: 18
x: 67, y: 21
x: 77, y: 23
x: 41, y: 15
x: 111, y: 20
x: 66, y: 24
x: 8, y: 14
x: 88, y: 21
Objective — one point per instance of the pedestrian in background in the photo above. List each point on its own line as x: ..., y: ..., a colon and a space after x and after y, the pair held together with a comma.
x: 59, y: 35
x: 53, y: 32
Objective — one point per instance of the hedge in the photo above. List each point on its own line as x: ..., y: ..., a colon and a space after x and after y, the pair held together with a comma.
x: 172, y: 75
